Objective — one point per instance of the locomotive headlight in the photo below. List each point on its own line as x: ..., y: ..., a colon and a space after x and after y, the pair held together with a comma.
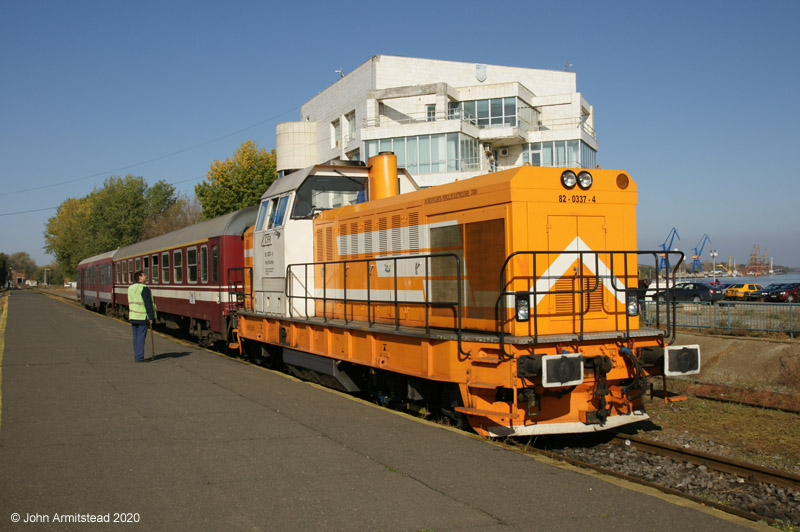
x: 633, y: 305
x: 568, y: 179
x: 523, y: 306
x: 585, y: 180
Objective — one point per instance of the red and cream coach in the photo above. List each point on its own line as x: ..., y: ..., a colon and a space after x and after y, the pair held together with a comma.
x: 187, y: 271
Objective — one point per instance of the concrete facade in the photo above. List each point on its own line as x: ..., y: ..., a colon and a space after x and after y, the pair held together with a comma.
x: 447, y: 120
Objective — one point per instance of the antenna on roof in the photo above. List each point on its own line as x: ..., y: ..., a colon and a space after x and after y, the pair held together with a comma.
x: 340, y: 72
x: 567, y: 66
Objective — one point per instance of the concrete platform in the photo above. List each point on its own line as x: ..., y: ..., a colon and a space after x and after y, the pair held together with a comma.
x: 196, y: 441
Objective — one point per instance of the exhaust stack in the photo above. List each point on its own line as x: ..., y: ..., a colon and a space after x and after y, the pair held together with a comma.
x: 383, y: 176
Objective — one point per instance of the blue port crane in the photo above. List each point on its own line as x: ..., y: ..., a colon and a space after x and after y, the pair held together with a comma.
x: 696, y: 266
x: 664, y: 263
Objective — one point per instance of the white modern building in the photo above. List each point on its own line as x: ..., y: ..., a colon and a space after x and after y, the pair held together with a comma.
x: 444, y: 120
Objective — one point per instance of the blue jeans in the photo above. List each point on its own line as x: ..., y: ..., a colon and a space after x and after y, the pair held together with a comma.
x: 139, y: 334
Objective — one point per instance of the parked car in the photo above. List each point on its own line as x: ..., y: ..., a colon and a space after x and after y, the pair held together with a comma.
x: 761, y: 295
x: 742, y: 291
x: 789, y: 293
x: 690, y: 292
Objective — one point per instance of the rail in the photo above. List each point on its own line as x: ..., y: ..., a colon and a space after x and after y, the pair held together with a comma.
x: 605, y: 272
x: 369, y: 299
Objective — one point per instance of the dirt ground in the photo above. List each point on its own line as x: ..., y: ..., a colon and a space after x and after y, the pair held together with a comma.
x: 750, y: 362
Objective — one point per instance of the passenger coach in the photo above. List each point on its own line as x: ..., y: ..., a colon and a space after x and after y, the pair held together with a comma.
x: 95, y: 281
x: 187, y: 271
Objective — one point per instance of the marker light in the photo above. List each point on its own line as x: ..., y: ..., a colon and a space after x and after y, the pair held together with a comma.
x: 523, y: 305
x: 568, y: 179
x: 633, y: 305
x: 584, y: 180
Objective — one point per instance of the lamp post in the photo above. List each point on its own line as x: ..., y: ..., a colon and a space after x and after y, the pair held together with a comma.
x: 714, y: 254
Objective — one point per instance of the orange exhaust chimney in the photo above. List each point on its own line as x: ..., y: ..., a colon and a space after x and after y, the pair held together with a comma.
x: 383, y: 176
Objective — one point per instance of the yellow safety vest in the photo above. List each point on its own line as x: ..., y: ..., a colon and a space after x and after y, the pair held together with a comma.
x: 137, y: 310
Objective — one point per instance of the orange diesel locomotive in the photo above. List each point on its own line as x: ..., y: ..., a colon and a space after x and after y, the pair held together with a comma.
x: 507, y: 301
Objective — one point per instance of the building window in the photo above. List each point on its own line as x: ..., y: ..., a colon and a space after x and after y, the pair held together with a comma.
x: 350, y: 118
x: 494, y: 112
x: 336, y: 131
x: 430, y: 113
x: 561, y: 153
x: 428, y: 154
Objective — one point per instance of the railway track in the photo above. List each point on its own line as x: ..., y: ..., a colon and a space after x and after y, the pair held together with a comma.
x: 746, y: 490
x: 750, y: 472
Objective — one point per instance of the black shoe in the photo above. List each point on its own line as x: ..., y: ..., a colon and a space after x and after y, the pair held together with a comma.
x: 143, y: 360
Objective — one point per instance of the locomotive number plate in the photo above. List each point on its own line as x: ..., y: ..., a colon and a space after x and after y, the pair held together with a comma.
x: 576, y: 198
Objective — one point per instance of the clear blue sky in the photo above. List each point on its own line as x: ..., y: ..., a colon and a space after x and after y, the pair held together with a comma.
x: 697, y: 100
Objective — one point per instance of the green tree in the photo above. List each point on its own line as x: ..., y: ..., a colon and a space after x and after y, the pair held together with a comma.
x: 108, y: 218
x: 184, y: 212
x: 65, y: 234
x: 237, y: 182
x: 51, y: 274
x: 22, y: 262
x: 5, y: 266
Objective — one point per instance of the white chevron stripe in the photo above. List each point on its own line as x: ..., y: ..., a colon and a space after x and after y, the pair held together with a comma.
x: 561, y: 266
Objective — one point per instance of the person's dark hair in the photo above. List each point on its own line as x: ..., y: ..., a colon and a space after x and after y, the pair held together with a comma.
x: 136, y: 275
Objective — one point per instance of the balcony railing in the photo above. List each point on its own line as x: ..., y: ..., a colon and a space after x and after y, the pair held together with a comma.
x: 559, y: 124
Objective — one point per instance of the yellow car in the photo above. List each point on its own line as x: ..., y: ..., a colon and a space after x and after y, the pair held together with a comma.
x: 742, y: 291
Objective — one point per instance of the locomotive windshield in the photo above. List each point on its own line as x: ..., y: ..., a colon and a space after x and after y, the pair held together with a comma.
x: 327, y: 192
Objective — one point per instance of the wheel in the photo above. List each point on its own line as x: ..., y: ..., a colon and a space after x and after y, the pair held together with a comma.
x: 696, y: 299
x: 790, y: 299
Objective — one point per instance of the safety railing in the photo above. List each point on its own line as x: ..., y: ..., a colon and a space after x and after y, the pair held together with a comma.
x: 304, y: 273
x: 730, y: 317
x: 602, y: 266
x: 238, y: 280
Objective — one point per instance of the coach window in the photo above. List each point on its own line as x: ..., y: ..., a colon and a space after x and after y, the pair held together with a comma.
x: 214, y: 263
x: 155, y: 268
x: 138, y: 263
x: 191, y: 265
x: 146, y: 264
x: 177, y: 265
x: 204, y: 264
x: 124, y: 272
x: 117, y: 273
x: 165, y: 267
x: 130, y: 271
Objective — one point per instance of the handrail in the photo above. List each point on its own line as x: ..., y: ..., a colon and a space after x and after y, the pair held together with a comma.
x: 237, y: 297
x: 369, y: 300
x: 536, y: 294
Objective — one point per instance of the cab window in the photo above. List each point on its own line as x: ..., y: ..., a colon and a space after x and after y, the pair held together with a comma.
x: 262, y: 215
x: 277, y: 211
x: 319, y: 193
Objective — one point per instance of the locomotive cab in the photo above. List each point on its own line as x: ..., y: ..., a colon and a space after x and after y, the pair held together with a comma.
x: 284, y: 231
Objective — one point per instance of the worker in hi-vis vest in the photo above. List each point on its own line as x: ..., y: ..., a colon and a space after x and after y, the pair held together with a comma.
x: 142, y: 312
